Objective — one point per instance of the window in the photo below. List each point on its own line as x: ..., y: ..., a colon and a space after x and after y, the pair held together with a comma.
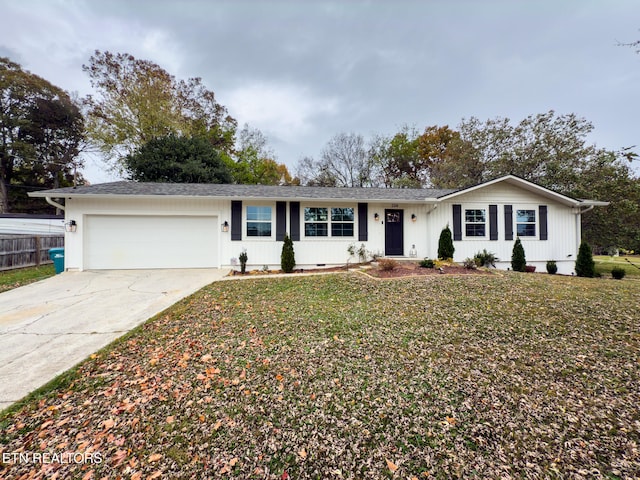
x: 526, y: 223
x: 342, y: 222
x: 258, y: 221
x: 316, y: 222
x: 475, y: 222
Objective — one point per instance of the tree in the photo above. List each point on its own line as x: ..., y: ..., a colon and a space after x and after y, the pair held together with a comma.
x: 255, y: 162
x: 585, y: 266
x: 518, y: 260
x: 177, y: 160
x: 397, y: 160
x: 445, y: 244
x: 287, y: 258
x: 344, y: 162
x: 138, y: 101
x: 447, y: 158
x: 41, y: 133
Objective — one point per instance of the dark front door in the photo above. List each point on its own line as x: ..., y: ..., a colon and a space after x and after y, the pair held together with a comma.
x: 393, y: 237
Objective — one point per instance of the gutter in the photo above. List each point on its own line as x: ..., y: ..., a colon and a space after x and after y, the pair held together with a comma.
x: 54, y: 203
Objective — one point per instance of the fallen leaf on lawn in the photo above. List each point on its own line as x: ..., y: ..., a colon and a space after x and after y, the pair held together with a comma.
x: 303, y: 453
x: 392, y: 466
x: 155, y: 457
x: 206, y: 358
x: 171, y: 419
x: 136, y: 476
x: 108, y: 424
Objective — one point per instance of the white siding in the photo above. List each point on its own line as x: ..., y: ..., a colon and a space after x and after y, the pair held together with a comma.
x: 158, y: 217
x: 562, y: 227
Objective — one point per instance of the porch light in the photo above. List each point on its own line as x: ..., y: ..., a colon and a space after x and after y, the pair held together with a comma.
x: 376, y: 217
x: 413, y: 217
x: 71, y: 226
x: 225, y: 226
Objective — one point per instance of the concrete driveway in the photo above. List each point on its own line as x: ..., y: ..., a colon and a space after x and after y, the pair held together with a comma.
x: 49, y: 326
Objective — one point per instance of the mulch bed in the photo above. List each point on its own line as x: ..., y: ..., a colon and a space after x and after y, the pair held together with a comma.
x: 404, y: 269
x: 413, y: 269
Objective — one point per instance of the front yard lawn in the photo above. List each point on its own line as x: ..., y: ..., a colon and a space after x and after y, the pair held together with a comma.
x: 343, y: 376
x: 10, y: 279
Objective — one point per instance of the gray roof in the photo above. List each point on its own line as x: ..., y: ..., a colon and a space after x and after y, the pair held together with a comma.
x: 246, y: 191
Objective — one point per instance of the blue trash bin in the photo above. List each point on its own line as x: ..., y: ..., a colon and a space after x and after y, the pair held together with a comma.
x: 57, y: 255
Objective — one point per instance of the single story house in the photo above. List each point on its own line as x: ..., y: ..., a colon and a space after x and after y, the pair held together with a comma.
x: 128, y: 225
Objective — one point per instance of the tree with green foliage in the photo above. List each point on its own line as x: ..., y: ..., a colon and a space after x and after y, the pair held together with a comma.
x: 177, y: 160
x: 41, y: 134
x: 445, y: 244
x: 287, y: 258
x: 518, y: 260
x: 138, y: 101
x: 585, y: 266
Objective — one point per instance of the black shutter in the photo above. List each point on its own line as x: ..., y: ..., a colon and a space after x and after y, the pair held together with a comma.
x: 493, y: 222
x: 543, y: 222
x: 508, y: 222
x: 294, y: 221
x: 363, y: 222
x: 457, y: 222
x: 281, y: 220
x: 236, y: 220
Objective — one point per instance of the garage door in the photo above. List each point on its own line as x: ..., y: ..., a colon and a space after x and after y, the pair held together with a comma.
x: 129, y: 242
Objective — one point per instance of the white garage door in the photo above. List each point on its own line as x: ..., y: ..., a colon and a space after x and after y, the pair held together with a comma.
x: 129, y: 242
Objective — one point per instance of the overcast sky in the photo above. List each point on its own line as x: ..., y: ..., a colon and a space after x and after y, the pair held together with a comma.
x: 302, y: 71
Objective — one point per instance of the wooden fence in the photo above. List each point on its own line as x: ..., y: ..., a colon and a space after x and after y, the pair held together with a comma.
x: 17, y: 251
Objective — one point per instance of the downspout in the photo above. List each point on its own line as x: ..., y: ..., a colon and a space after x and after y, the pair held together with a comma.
x: 579, y: 213
x: 54, y: 204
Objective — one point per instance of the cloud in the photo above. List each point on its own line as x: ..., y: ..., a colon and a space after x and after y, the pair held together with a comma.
x: 284, y: 111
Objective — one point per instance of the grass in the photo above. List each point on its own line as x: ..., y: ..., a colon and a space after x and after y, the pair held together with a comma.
x: 343, y: 376
x: 10, y: 279
x: 604, y: 264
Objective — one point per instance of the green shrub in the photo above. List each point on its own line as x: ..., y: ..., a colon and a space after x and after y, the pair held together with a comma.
x: 552, y: 268
x: 585, y: 266
x: 485, y: 259
x: 618, y: 273
x: 287, y: 258
x: 243, y: 261
x: 427, y: 263
x: 518, y: 260
x: 445, y: 244
x: 387, y: 264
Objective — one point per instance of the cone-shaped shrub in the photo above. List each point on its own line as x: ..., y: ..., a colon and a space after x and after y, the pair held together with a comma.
x: 287, y: 258
x: 445, y: 244
x: 585, y: 266
x: 518, y: 260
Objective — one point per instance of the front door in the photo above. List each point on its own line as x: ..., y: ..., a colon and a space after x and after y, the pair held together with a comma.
x: 393, y: 236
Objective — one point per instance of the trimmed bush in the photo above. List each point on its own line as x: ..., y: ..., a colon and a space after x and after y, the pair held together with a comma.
x: 243, y: 261
x: 518, y: 260
x: 618, y: 273
x: 552, y: 268
x: 585, y: 266
x: 445, y: 244
x: 287, y: 258
x: 427, y: 263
